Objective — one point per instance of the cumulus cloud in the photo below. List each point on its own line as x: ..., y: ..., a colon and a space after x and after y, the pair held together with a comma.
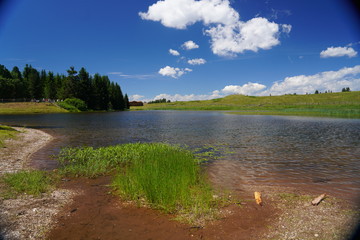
x: 136, y: 97
x: 196, y: 61
x: 173, y: 72
x: 190, y: 45
x: 301, y: 84
x: 330, y: 80
x: 182, y: 13
x: 257, y: 33
x: 189, y: 97
x: 174, y: 52
x: 229, y: 35
x: 338, y: 52
x: 246, y: 89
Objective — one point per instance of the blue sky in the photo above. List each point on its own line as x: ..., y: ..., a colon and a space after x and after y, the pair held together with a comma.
x: 189, y: 49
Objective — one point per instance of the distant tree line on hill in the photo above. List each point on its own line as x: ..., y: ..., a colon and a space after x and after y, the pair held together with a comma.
x: 97, y: 91
x: 160, y: 101
x: 346, y: 89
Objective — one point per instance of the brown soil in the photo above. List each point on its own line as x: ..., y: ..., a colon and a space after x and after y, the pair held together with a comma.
x: 97, y: 214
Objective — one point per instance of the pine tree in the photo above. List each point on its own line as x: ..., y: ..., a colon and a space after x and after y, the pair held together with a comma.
x: 4, y: 72
x: 127, y: 104
x: 50, y: 88
x: 85, y: 87
x: 33, y: 79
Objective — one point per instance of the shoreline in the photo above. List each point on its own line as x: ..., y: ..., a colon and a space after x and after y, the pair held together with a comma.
x: 285, y: 209
x: 17, y: 153
x: 28, y: 217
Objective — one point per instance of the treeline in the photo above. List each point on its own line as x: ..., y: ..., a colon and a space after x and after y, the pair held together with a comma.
x: 97, y: 91
x: 160, y: 101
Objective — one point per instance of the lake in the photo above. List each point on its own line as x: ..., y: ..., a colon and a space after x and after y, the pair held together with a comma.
x: 319, y: 154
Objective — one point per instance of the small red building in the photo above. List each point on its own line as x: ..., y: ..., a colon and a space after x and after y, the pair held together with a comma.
x: 136, y: 103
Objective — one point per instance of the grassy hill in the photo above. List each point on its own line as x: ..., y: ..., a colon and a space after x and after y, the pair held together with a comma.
x: 29, y: 108
x: 344, y: 104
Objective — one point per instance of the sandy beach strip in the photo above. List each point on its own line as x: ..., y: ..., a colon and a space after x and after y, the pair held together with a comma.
x: 28, y: 217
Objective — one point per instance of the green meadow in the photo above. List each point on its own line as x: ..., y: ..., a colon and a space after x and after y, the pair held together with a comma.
x: 342, y: 104
x: 30, y: 108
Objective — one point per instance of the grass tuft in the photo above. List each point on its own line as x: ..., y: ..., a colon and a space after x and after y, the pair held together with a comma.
x: 162, y: 176
x: 26, y: 182
x: 6, y: 133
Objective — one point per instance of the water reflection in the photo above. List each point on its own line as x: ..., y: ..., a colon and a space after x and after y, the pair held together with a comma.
x: 319, y: 153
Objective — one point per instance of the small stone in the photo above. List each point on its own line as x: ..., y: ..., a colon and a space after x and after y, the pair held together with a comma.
x: 316, y: 235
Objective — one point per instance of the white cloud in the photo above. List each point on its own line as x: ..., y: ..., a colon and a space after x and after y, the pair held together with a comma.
x: 188, y: 97
x: 286, y: 28
x: 136, y: 97
x: 182, y: 13
x: 189, y: 45
x: 301, y: 84
x: 246, y: 89
x: 197, y: 61
x: 338, y: 52
x: 229, y: 36
x: 257, y: 33
x: 173, y: 72
x: 174, y: 52
x: 330, y: 80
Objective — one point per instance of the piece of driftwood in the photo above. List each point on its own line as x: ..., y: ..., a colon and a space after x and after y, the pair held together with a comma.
x: 317, y: 200
x: 258, y: 198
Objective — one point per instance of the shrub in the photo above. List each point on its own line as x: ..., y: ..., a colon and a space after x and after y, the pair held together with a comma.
x: 73, y: 104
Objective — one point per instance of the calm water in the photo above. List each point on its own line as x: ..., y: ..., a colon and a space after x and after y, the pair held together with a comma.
x: 319, y: 154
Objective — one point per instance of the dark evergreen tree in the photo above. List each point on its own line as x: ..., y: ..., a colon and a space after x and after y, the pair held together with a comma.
x: 127, y: 104
x: 16, y: 74
x: 101, y: 92
x: 4, y: 72
x: 33, y: 79
x: 116, y: 97
x: 70, y: 84
x: 85, y: 86
x: 50, y: 89
x: 20, y: 86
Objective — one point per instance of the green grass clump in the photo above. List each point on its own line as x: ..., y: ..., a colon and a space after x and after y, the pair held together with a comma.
x: 6, y: 133
x: 32, y: 182
x: 91, y: 162
x: 163, y: 176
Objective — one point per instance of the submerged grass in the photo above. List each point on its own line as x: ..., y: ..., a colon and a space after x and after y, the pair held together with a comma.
x: 162, y: 176
x: 32, y: 182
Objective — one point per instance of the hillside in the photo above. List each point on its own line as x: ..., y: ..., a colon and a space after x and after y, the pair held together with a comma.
x: 343, y: 104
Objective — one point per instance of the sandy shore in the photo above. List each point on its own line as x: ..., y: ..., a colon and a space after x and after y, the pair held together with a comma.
x: 28, y: 217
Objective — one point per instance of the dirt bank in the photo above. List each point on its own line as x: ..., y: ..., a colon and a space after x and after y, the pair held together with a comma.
x: 97, y: 214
